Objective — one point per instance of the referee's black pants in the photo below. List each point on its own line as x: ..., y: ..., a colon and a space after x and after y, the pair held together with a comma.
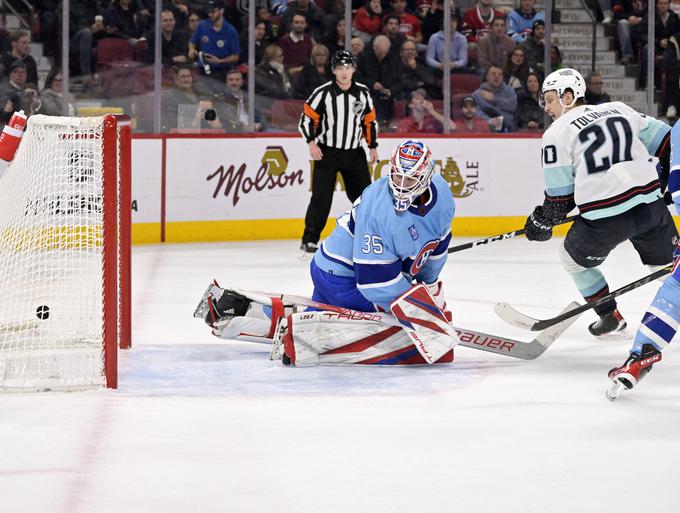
x: 353, y: 167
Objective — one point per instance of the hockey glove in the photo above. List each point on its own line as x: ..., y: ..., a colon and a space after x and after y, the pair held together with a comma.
x: 538, y: 227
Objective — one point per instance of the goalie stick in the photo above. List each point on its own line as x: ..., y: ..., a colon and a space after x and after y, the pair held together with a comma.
x: 501, y: 236
x: 468, y: 338
x: 520, y: 320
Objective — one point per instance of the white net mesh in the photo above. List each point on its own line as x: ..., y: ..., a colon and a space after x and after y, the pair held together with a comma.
x: 51, y: 249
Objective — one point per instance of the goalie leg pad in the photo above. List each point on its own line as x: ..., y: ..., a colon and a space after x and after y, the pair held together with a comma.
x: 330, y: 338
x: 425, y: 323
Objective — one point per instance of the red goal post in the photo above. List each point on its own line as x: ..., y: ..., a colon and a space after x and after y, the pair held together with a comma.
x: 65, y: 237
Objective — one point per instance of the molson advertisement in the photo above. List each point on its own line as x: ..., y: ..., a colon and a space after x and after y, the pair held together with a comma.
x: 248, y: 188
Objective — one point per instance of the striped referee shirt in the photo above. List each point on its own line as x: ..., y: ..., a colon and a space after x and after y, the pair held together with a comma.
x: 338, y: 118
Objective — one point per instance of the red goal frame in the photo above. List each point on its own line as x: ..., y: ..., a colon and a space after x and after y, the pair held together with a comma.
x: 117, y: 237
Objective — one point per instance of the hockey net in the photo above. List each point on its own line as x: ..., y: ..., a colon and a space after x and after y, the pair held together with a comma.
x: 65, y: 254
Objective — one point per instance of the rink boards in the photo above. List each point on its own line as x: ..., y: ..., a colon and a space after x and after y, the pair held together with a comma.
x: 190, y: 188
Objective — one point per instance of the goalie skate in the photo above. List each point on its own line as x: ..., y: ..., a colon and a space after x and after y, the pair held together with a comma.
x: 218, y: 304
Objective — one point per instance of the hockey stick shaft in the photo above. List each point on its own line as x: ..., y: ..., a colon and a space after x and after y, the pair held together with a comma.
x: 509, y: 314
x: 499, y: 237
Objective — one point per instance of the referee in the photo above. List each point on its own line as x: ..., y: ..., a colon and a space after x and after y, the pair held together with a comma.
x: 335, y: 117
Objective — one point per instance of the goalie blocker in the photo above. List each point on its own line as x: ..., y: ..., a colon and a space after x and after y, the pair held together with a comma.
x: 422, y: 334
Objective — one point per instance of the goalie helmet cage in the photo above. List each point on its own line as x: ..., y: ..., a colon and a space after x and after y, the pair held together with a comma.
x: 65, y: 237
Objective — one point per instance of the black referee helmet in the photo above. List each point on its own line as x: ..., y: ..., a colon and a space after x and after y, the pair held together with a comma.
x: 343, y: 58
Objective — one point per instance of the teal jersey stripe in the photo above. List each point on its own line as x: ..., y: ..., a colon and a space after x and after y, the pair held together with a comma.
x: 653, y: 133
x: 560, y: 191
x: 558, y: 177
x: 650, y: 197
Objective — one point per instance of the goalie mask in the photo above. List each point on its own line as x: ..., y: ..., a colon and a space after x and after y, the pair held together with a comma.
x: 561, y: 81
x: 411, y: 170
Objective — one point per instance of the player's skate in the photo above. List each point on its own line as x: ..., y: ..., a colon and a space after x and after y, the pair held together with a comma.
x: 611, y: 325
x: 218, y: 304
x: 636, y: 367
x: 308, y: 249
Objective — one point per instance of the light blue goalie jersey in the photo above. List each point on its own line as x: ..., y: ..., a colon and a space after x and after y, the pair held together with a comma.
x: 385, y: 250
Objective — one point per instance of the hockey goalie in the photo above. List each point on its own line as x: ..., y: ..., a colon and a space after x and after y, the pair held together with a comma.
x: 377, y: 295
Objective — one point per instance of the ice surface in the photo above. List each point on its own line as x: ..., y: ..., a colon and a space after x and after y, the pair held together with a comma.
x: 204, y: 425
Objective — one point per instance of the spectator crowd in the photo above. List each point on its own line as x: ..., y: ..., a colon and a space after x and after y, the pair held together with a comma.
x: 496, y: 59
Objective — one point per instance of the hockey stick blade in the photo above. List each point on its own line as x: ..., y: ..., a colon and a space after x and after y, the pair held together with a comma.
x: 496, y: 238
x: 515, y: 348
x: 468, y: 338
x: 510, y: 315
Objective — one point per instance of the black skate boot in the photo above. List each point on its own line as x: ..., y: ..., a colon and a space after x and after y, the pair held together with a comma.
x: 636, y: 367
x: 218, y: 303
x: 308, y: 249
x: 608, y: 324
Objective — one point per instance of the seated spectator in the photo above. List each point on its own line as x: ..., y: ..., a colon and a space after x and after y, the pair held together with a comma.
x: 32, y: 103
x: 471, y: 123
x: 233, y: 104
x: 458, y: 48
x: 260, y: 43
x: 555, y: 58
x: 313, y: 14
x: 85, y: 22
x: 180, y: 11
x: 521, y: 20
x: 367, y: 20
x: 206, y: 115
x: 333, y: 10
x: 414, y: 74
x: 334, y: 39
x: 409, y: 25
x: 628, y: 15
x: 173, y: 49
x: 378, y: 69
x: 242, y: 6
x: 666, y: 24
x: 184, y: 92
x: 478, y: 19
x: 271, y: 77
x: 391, y: 31
x: 17, y: 79
x: 493, y: 50
x: 534, y: 46
x: 314, y: 73
x: 434, y: 20
x: 296, y: 45
x: 594, y: 93
x: 272, y: 28
x: 21, y: 52
x: 497, y: 101
x: 423, y: 118
x: 357, y: 46
x: 529, y: 113
x: 52, y: 96
x: 192, y: 24
x: 217, y: 42
x: 516, y: 70
x: 122, y: 15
